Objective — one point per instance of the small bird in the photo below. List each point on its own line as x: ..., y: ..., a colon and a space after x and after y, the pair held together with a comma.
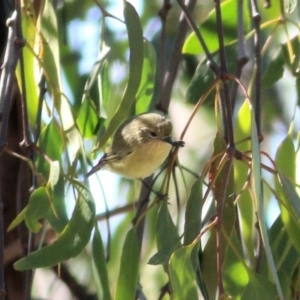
x: 139, y: 146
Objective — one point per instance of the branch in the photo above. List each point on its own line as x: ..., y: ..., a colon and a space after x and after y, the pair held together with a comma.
x: 210, y: 61
x: 12, y: 52
x: 172, y: 67
x: 163, y: 13
x: 2, y: 284
x: 225, y: 100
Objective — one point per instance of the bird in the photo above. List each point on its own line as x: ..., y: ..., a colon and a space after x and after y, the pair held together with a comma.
x: 139, y: 146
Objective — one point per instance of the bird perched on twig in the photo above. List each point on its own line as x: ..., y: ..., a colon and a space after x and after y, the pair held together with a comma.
x: 139, y: 146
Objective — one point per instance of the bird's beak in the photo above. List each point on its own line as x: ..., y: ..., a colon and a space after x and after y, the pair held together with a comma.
x: 169, y: 140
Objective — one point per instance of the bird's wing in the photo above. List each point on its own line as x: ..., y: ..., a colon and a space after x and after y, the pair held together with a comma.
x: 110, y: 155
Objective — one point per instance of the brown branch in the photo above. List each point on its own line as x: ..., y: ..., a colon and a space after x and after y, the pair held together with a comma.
x: 163, y: 13
x: 2, y: 284
x: 225, y: 99
x: 8, y: 76
x: 172, y: 67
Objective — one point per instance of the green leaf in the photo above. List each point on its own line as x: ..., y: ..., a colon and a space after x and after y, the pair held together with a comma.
x: 192, y: 225
x: 97, y: 67
x: 87, y: 119
x: 104, y: 86
x: 70, y: 242
x: 37, y: 208
x: 242, y: 130
x: 208, y: 266
x: 57, y: 214
x: 136, y: 47
x: 286, y: 150
x: 100, y: 264
x: 235, y: 271
x: 291, y: 54
x: 258, y: 199
x: 274, y: 71
x: 145, y: 92
x: 54, y: 174
x: 210, y: 34
x: 285, y: 252
x: 298, y: 89
x: 51, y: 143
x: 128, y: 275
x: 289, y: 199
x: 290, y: 5
x: 182, y: 274
x: 204, y: 76
x: 290, y: 193
x: 167, y: 237
x: 259, y: 287
x: 31, y: 86
x: 51, y: 64
x: 18, y: 220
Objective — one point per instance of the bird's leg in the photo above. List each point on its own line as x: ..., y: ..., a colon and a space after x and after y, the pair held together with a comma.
x: 158, y: 194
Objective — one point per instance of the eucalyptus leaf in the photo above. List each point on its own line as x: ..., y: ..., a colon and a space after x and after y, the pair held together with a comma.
x: 128, y: 275
x: 70, y: 242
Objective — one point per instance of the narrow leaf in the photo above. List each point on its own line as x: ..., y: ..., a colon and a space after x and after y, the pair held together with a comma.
x: 182, y: 274
x: 145, y: 92
x: 71, y: 241
x: 258, y: 198
x: 51, y: 63
x: 192, y: 225
x: 273, y: 72
x: 167, y: 237
x: 37, y: 208
x: 246, y: 219
x: 18, y: 220
x: 128, y: 276
x: 209, y: 32
x: 290, y: 5
x: 54, y: 174
x: 289, y: 199
x: 259, y: 287
x: 290, y: 193
x: 87, y: 119
x: 136, y: 47
x: 100, y: 264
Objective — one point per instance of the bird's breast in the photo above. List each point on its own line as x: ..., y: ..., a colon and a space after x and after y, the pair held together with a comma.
x: 143, y: 160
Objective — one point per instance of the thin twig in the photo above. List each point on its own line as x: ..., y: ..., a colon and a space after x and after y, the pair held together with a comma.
x: 105, y: 13
x: 116, y: 211
x: 172, y: 66
x: 43, y: 90
x: 163, y: 13
x: 210, y: 61
x: 225, y: 100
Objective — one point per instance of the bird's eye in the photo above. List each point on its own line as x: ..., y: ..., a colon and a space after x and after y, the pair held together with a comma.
x: 153, y: 134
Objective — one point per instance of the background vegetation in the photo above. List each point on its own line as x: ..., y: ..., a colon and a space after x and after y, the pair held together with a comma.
x: 227, y: 73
